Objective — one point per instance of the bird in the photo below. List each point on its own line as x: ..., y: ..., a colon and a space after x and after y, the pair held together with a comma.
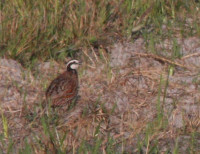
x: 63, y: 90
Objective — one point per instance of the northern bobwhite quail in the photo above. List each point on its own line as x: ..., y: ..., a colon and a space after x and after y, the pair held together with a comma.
x: 64, y: 89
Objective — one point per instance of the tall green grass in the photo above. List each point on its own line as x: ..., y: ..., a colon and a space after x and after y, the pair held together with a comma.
x: 45, y: 29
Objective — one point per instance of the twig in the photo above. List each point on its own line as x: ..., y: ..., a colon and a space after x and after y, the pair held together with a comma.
x: 163, y: 59
x: 89, y: 57
x: 190, y: 55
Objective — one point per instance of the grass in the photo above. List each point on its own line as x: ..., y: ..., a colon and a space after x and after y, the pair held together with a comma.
x: 34, y: 31
x: 5, y: 125
x: 153, y: 128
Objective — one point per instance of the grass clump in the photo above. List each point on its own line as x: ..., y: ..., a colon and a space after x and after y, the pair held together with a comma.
x: 56, y: 29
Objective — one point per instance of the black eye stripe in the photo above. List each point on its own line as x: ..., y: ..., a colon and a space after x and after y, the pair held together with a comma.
x: 74, y: 62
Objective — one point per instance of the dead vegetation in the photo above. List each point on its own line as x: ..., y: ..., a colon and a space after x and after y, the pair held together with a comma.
x: 146, y: 103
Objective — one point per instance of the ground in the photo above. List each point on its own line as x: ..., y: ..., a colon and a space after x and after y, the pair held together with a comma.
x: 130, y: 101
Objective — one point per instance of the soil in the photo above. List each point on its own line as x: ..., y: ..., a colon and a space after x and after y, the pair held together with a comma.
x: 122, y: 92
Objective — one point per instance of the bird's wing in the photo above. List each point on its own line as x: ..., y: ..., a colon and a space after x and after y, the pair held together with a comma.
x: 61, y: 87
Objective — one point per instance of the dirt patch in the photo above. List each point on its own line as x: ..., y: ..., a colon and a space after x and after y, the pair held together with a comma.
x: 120, y: 96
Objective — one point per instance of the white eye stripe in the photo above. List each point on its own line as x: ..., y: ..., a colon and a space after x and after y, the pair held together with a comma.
x: 74, y: 66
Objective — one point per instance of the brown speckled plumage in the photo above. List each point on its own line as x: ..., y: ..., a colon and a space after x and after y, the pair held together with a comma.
x: 64, y: 89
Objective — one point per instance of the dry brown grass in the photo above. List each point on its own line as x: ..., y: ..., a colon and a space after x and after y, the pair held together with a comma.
x: 119, y: 107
